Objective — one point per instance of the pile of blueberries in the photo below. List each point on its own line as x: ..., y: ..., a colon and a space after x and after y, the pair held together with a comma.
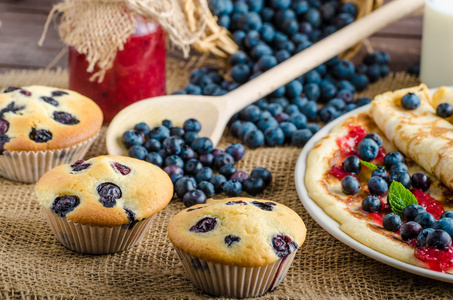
x: 190, y: 161
x: 268, y: 32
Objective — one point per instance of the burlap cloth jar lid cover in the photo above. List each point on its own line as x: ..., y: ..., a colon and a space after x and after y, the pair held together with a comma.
x: 34, y: 265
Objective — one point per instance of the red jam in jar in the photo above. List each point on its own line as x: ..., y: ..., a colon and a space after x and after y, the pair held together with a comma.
x: 138, y: 72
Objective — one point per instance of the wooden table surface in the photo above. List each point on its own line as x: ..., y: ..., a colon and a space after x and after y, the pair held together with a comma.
x: 23, y: 22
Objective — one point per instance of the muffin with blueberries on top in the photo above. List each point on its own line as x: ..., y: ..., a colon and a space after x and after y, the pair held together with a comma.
x: 42, y: 127
x: 103, y: 205
x: 237, y: 247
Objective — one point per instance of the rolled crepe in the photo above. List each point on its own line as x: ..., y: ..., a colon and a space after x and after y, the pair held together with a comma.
x: 420, y: 134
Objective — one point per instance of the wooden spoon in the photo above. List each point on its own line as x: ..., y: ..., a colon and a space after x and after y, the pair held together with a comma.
x: 214, y: 111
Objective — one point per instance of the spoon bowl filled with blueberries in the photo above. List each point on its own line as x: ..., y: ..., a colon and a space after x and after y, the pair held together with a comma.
x: 214, y: 112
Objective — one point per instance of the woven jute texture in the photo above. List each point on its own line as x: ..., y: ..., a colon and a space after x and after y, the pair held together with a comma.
x: 33, y: 264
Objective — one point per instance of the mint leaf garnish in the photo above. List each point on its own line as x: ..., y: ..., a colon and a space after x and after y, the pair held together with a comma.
x: 399, y: 197
x: 368, y: 165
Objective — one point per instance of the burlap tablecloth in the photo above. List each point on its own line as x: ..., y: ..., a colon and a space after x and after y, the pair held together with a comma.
x: 33, y: 264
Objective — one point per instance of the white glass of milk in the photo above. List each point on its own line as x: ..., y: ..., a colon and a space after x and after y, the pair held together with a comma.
x: 437, y: 44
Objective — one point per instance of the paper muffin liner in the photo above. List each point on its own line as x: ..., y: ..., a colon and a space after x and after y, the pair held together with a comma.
x: 230, y: 281
x: 96, y: 239
x: 29, y: 166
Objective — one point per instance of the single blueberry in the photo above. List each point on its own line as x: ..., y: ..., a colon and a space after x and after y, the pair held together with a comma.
x: 204, y: 225
x: 262, y: 173
x: 391, y: 222
x: 288, y: 129
x: 174, y: 172
x: 50, y: 100
x: 80, y: 165
x: 337, y: 103
x: 392, y: 158
x: 240, y: 73
x: 312, y: 91
x: 138, y: 152
x: 142, y: 127
x: 350, y: 185
x: 206, y: 159
x: 410, y: 230
x: 410, y: 101
x: 266, y: 62
x: 192, y: 89
x: 207, y: 188
x: 63, y: 205
x: 266, y: 123
x: 155, y: 159
x: 351, y: 164
x: 267, y: 206
x: 177, y: 132
x: 254, y: 139
x: 421, y: 181
x: 205, y: 174
x: 343, y: 69
x: 310, y: 110
x: 445, y: 224
x: 236, y: 150
x: 131, y: 138
x: 375, y: 137
x: 194, y: 197
x: 40, y: 135
x: 301, y: 137
x: 367, y: 149
x: 402, y: 177
x: 253, y: 185
x: 274, y: 137
x: 228, y: 170
x: 159, y: 133
x: 172, y: 145
x: 381, y: 172
x: 421, y: 237
x: 438, y: 239
x: 313, y: 16
x: 283, y: 245
x: 232, y: 188
x: 222, y: 159
x: 192, y: 166
x: 109, y: 193
x: 218, y: 181
x: 202, y: 145
x: 328, y: 114
x: 444, y: 110
x: 244, y: 128
x: 251, y: 113
x: 371, y: 203
x: 300, y: 120
x: 184, y: 185
x: 231, y: 239
x: 411, y: 211
x: 152, y: 145
x: 425, y: 219
x: 260, y: 50
x: 192, y: 125
x: 377, y: 186
x: 167, y: 123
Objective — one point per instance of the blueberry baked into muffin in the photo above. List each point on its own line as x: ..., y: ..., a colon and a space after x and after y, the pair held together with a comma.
x: 41, y: 127
x: 237, y: 247
x: 105, y: 204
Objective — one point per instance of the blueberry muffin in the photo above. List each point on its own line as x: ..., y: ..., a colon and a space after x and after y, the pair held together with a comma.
x: 105, y: 204
x: 237, y: 247
x: 41, y: 127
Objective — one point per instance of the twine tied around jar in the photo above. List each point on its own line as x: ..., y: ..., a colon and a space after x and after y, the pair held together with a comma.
x: 99, y: 28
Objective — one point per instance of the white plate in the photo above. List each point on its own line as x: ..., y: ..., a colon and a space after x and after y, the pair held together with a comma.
x: 332, y: 226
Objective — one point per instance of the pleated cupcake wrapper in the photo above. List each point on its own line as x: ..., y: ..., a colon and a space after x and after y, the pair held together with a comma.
x: 238, y: 282
x: 96, y: 239
x: 29, y: 166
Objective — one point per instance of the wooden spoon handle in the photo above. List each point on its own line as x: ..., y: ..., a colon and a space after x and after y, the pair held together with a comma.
x: 317, y: 54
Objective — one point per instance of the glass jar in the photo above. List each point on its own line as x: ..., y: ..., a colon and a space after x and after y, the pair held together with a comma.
x: 138, y: 72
